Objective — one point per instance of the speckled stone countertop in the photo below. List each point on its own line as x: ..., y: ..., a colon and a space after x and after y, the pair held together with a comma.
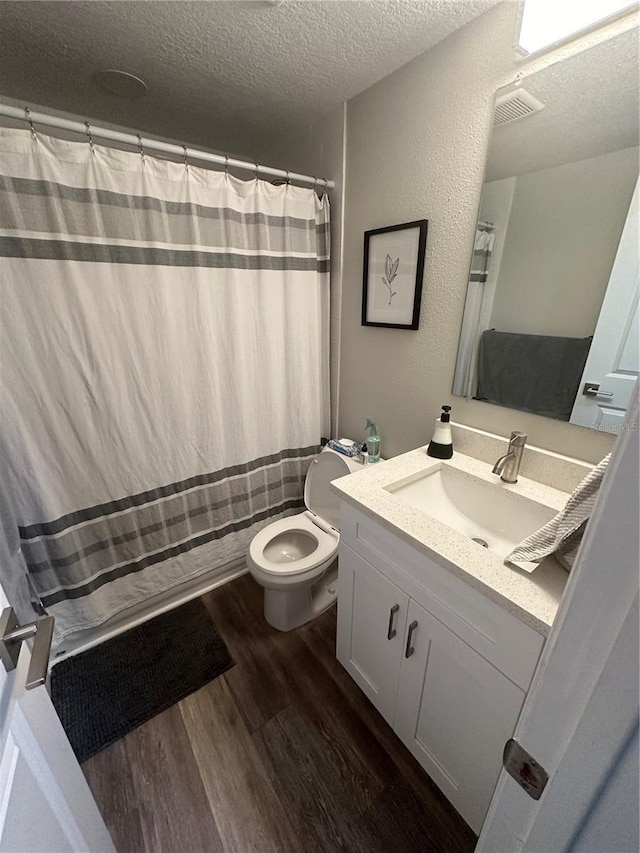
x: 533, y: 598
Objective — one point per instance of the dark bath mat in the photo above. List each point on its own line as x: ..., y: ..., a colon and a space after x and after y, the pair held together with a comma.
x: 104, y: 693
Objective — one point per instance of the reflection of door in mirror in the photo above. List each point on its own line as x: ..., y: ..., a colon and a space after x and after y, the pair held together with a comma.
x: 558, y: 188
x: 613, y: 363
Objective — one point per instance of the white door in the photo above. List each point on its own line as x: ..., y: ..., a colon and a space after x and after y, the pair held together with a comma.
x: 455, y: 711
x: 372, y: 614
x: 580, y: 718
x: 45, y: 802
x: 613, y: 363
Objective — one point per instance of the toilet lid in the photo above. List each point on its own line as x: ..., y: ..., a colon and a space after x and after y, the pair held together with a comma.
x: 318, y: 497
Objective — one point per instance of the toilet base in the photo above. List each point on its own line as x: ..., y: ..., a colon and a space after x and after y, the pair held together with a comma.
x: 288, y: 609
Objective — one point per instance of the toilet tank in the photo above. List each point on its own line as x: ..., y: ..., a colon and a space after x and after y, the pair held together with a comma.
x: 318, y: 497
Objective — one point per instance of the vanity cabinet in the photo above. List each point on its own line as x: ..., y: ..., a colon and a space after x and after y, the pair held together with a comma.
x: 444, y: 665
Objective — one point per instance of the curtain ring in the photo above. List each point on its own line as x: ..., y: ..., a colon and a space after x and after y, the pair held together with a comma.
x: 91, y: 142
x: 255, y: 171
x: 288, y: 180
x: 226, y: 164
x: 186, y: 157
x: 140, y: 148
x: 27, y: 112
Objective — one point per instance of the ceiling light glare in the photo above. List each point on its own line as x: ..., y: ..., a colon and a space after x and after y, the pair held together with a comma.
x: 545, y: 22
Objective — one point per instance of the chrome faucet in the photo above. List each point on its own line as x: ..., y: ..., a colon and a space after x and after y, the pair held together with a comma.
x: 508, y: 465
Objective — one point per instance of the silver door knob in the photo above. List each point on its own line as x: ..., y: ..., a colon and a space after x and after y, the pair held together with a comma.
x: 12, y: 635
x: 592, y: 389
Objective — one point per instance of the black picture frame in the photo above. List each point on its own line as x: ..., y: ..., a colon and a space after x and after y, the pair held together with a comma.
x: 393, y: 259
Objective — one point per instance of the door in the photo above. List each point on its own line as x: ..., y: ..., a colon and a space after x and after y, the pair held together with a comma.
x: 455, y: 711
x: 45, y: 802
x: 580, y: 718
x: 372, y: 614
x: 613, y: 363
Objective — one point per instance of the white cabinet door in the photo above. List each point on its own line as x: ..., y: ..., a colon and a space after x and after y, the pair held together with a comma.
x: 372, y: 614
x: 454, y: 712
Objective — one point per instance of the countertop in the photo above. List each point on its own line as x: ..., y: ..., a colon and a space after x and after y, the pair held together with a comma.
x: 533, y: 598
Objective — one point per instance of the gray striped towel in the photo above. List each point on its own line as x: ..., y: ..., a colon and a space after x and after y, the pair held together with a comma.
x: 562, y: 535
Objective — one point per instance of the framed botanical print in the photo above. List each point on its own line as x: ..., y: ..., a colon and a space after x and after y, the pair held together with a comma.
x: 393, y: 272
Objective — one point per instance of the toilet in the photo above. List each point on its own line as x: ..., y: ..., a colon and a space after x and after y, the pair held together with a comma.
x: 295, y: 558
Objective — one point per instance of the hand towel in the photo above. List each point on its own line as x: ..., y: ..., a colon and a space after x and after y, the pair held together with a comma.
x: 562, y: 535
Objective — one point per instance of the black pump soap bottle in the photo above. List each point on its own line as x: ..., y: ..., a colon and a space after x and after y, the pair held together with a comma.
x: 441, y: 445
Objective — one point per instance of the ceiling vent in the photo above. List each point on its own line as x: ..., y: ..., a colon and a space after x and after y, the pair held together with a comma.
x: 515, y: 105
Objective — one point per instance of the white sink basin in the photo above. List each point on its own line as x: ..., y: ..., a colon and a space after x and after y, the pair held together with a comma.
x: 480, y: 510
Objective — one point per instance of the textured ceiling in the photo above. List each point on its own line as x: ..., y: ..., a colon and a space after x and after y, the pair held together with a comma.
x: 223, y: 74
x: 592, y: 103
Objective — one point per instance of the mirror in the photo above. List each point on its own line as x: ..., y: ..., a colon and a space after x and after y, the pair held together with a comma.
x: 552, y: 298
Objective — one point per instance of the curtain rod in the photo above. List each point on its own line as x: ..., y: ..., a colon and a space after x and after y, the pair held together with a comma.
x: 156, y: 145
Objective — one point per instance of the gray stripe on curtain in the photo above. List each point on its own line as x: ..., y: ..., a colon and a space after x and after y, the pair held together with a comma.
x: 143, y: 523
x: 70, y: 593
x: 34, y: 531
x: 480, y: 265
x: 68, y: 250
x: 102, y: 213
x: 71, y: 557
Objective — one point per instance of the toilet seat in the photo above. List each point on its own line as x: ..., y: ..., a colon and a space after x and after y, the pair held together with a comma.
x: 325, y: 550
x: 295, y: 558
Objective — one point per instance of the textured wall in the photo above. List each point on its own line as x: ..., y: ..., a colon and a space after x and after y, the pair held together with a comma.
x: 416, y: 147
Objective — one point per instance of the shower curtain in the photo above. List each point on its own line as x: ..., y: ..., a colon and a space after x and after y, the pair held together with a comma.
x: 163, y: 366
x: 464, y: 380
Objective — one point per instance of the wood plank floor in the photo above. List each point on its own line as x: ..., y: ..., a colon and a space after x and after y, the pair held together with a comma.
x: 281, y: 754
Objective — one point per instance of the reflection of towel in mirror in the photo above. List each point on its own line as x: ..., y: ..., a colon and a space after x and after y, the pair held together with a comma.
x: 532, y: 373
x: 562, y: 535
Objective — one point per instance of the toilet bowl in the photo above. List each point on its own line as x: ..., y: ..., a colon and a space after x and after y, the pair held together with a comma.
x: 295, y: 558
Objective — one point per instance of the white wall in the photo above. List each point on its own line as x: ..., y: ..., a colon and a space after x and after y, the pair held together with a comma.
x: 416, y: 148
x: 563, y: 233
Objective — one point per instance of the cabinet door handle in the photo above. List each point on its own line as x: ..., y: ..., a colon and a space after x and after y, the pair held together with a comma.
x: 409, y: 649
x: 391, y: 631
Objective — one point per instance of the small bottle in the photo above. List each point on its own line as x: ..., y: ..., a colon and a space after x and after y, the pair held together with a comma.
x: 441, y: 445
x: 373, y: 442
x: 364, y: 455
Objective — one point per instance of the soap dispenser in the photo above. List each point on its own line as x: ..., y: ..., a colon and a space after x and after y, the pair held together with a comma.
x: 441, y: 445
